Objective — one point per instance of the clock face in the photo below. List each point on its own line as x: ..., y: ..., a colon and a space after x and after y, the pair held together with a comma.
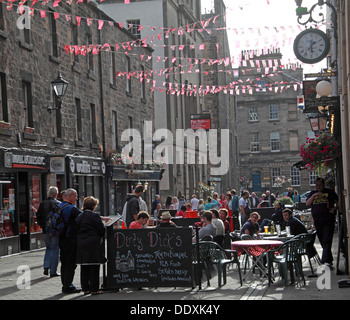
x: 311, y: 46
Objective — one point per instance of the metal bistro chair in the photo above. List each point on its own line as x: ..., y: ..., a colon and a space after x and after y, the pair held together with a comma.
x: 213, y: 254
x: 246, y: 256
x: 286, y: 256
x: 307, y: 248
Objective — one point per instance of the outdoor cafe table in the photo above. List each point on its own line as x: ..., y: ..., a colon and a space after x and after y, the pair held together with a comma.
x: 256, y: 249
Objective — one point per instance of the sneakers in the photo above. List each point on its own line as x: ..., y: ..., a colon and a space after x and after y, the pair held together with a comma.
x: 329, y: 265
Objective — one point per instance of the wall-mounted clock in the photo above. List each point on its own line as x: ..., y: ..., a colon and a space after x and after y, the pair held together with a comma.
x: 311, y: 46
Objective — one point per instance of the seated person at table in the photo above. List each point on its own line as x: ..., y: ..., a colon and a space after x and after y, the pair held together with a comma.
x: 182, y: 212
x: 277, y: 217
x: 217, y: 222
x: 296, y: 226
x: 223, y: 215
x: 251, y: 227
x: 165, y: 221
x: 199, y: 224
x: 142, y: 220
x: 208, y: 229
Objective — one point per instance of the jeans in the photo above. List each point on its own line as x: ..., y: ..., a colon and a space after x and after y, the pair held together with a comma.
x: 51, y: 257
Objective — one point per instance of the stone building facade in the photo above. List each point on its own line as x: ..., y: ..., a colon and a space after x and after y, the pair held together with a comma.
x: 221, y: 104
x: 270, y: 127
x: 70, y: 147
x: 162, y: 24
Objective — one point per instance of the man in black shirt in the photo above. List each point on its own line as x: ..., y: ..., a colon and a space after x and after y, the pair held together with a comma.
x: 323, y: 202
x: 296, y: 226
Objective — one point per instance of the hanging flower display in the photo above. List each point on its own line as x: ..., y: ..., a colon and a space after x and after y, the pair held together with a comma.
x: 320, y: 152
x: 202, y: 187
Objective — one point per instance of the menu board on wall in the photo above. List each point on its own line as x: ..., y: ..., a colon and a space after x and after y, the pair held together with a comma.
x: 154, y: 257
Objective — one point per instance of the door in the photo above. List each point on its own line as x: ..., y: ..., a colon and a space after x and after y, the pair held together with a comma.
x: 256, y: 182
x: 23, y: 210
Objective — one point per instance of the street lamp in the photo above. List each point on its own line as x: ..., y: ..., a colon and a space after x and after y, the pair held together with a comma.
x: 60, y: 87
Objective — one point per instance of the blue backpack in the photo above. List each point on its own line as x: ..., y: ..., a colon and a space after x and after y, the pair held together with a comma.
x: 54, y: 220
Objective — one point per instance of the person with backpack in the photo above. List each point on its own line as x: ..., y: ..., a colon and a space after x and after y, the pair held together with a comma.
x: 68, y: 240
x: 51, y: 238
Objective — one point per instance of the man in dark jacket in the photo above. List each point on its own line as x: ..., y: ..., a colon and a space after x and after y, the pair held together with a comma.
x: 51, y: 237
x: 296, y: 226
x: 68, y: 241
x: 133, y: 205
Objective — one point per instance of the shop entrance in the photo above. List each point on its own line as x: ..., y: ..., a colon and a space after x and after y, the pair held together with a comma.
x: 29, y: 198
x: 23, y: 201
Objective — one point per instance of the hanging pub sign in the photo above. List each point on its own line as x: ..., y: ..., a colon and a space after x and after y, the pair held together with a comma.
x: 200, y: 121
x: 313, y: 103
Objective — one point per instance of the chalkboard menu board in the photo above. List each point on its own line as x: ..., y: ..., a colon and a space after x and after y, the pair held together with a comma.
x: 154, y: 257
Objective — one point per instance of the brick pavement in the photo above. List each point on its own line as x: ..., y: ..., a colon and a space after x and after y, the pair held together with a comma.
x: 45, y: 288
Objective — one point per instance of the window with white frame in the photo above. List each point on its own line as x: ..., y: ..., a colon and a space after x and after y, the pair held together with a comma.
x: 275, y: 173
x: 254, y: 142
x: 294, y: 176
x: 274, y: 112
x: 313, y: 175
x: 275, y: 141
x: 134, y: 28
x: 253, y: 113
x: 261, y: 86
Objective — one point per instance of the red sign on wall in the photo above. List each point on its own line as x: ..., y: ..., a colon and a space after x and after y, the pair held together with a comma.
x: 200, y: 121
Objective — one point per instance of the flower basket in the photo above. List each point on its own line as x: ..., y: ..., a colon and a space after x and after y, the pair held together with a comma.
x: 320, y: 153
x: 28, y: 130
x: 4, y: 125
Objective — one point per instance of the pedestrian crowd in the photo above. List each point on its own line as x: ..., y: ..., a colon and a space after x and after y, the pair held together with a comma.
x: 80, y: 240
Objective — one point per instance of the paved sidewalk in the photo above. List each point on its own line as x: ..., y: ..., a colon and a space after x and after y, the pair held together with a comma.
x: 45, y: 288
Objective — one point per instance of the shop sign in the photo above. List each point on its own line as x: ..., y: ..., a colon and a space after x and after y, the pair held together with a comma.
x: 12, y: 160
x: 87, y: 166
x: 57, y: 164
x: 200, y: 121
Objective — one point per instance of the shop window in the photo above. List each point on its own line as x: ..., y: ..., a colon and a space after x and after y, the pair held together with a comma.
x: 34, y: 197
x: 8, y: 219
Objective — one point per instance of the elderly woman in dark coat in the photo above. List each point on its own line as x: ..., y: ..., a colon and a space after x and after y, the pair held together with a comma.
x: 90, y: 253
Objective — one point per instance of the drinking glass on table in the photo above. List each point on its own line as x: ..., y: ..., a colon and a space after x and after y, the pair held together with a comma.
x: 288, y: 231
x: 266, y: 228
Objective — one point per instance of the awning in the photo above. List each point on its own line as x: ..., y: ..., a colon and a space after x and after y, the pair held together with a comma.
x: 300, y: 165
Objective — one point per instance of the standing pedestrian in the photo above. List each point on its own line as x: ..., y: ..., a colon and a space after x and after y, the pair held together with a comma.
x: 244, y: 207
x: 90, y: 246
x: 323, y: 201
x: 133, y: 205
x: 68, y: 241
x: 52, y: 251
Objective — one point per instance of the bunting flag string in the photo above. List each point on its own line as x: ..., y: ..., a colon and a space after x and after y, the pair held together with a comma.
x: 171, y: 88
x: 243, y: 32
x: 126, y: 47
